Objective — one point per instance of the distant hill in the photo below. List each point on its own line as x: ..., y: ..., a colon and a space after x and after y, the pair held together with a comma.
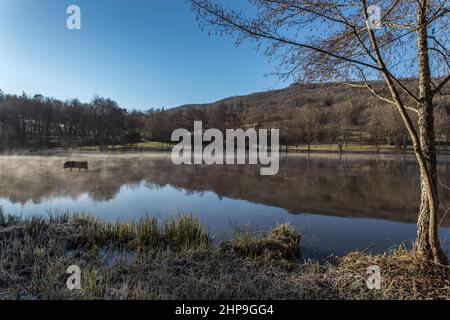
x: 273, y: 103
x: 333, y: 112
x: 313, y: 91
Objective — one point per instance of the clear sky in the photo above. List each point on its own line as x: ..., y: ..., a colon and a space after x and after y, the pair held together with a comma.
x: 141, y: 53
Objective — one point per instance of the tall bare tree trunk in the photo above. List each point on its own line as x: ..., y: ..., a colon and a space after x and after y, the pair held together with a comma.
x: 427, y: 243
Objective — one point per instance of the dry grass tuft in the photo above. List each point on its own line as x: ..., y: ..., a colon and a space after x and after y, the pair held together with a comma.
x: 403, y: 275
x: 281, y: 244
x: 174, y: 260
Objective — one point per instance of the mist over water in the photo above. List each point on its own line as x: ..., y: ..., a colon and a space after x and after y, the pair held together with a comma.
x: 339, y: 204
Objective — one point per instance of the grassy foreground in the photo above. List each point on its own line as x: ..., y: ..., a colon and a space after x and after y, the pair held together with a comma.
x: 176, y: 260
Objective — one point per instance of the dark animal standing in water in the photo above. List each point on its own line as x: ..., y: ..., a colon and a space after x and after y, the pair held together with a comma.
x: 76, y: 165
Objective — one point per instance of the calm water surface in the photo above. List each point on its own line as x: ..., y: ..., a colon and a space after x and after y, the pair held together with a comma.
x: 339, y: 204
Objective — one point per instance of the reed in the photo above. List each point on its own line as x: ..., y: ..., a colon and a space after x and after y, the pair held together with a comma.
x: 175, y: 259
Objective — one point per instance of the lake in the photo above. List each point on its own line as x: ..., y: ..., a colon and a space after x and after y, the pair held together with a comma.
x: 338, y: 203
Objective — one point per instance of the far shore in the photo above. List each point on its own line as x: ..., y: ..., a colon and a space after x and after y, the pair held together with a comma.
x: 157, y: 147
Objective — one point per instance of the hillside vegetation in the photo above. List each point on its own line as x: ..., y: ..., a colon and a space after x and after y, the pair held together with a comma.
x: 336, y: 114
x: 309, y: 114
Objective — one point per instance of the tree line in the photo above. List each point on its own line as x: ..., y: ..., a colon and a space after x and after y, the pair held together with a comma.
x: 42, y: 122
x: 38, y: 121
x: 306, y: 123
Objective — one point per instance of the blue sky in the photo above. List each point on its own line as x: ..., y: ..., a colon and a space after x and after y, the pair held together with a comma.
x: 141, y: 53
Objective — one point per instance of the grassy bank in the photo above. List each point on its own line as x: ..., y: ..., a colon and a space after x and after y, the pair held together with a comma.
x: 175, y: 259
x: 358, y: 148
x: 154, y: 146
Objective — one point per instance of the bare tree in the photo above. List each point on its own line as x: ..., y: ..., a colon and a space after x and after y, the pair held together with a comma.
x: 327, y: 40
x: 158, y: 123
x: 339, y: 125
x: 396, y: 131
x: 377, y: 125
x: 307, y: 122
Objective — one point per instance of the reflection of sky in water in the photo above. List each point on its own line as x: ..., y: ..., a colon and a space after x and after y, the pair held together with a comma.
x: 322, y: 235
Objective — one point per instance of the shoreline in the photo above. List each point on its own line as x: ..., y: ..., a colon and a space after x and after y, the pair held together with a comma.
x: 49, y: 152
x: 175, y: 259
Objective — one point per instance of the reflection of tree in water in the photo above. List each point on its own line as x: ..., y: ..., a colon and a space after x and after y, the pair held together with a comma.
x: 385, y: 188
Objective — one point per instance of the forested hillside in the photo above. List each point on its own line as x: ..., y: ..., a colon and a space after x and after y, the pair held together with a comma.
x: 306, y: 114
x: 309, y: 114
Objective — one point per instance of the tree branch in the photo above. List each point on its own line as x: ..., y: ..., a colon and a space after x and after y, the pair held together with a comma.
x: 255, y: 32
x: 441, y: 85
